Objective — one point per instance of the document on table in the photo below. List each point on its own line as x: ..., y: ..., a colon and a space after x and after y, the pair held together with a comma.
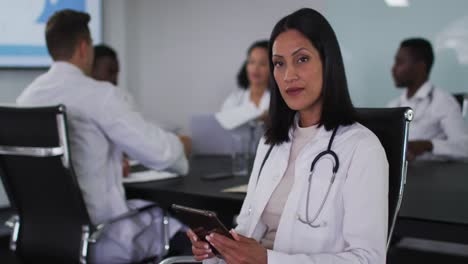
x: 149, y: 175
x: 236, y: 189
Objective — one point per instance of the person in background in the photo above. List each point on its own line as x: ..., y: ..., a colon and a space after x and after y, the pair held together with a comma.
x: 252, y: 79
x: 333, y: 213
x: 251, y: 100
x: 245, y: 110
x: 106, y: 68
x: 106, y: 64
x: 102, y: 126
x: 438, y: 131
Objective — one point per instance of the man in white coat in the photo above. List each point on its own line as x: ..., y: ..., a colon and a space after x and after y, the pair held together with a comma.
x: 437, y: 131
x: 102, y: 126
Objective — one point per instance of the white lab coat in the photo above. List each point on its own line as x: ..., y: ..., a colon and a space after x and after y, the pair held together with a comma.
x: 355, y: 216
x: 437, y: 118
x: 102, y: 126
x: 238, y: 114
x: 238, y: 109
x: 241, y: 97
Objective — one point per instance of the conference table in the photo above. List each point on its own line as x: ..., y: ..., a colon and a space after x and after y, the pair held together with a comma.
x: 191, y: 190
x: 435, y: 202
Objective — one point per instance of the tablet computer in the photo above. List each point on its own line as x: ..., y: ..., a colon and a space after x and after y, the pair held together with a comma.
x: 202, y: 222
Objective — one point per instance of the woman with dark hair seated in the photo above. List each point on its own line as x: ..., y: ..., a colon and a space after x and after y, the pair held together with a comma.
x: 318, y: 192
x: 251, y: 100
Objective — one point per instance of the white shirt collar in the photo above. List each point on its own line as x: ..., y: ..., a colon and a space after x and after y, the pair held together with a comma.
x: 421, y: 93
x: 264, y: 101
x: 65, y: 67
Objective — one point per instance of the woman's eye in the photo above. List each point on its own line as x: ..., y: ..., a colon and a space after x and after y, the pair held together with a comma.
x: 277, y: 64
x: 303, y: 59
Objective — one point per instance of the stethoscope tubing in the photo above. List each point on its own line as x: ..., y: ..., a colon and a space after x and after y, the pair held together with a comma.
x: 320, y: 156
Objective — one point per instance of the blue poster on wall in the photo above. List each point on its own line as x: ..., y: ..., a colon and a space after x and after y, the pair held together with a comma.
x: 50, y: 8
x: 22, y: 26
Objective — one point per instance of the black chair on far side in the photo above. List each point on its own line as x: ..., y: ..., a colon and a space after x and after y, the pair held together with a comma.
x: 52, y: 225
x: 462, y: 99
x: 391, y: 126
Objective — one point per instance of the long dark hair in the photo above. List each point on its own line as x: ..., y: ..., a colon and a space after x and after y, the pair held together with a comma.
x: 242, y: 79
x: 337, y: 108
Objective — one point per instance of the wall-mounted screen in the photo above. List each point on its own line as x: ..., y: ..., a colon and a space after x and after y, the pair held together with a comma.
x: 22, y: 27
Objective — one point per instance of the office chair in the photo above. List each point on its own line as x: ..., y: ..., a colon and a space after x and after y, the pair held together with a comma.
x: 462, y: 99
x: 52, y: 224
x: 391, y: 126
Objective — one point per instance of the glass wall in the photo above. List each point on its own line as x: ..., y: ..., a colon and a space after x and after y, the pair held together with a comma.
x: 370, y: 32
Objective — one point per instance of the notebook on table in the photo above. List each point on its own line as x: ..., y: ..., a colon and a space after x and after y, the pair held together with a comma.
x: 142, y: 174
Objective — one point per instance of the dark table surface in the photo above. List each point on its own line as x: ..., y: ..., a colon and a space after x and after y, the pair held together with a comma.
x: 435, y: 197
x: 436, y: 191
x: 191, y: 190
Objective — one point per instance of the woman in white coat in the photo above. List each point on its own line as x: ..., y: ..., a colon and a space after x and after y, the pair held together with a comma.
x: 251, y: 100
x: 245, y: 109
x: 252, y: 80
x: 318, y: 192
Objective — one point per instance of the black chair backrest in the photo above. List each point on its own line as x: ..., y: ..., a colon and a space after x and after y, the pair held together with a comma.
x: 390, y: 125
x: 460, y: 97
x: 41, y: 185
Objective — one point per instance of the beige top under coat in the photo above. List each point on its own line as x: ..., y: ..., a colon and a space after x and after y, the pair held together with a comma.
x: 273, y: 210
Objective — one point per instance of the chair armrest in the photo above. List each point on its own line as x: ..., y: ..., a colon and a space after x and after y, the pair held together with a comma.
x: 12, y: 221
x: 179, y: 259
x: 94, y: 237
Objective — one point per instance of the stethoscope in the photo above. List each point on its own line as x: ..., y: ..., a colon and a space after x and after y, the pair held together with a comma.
x: 326, y: 154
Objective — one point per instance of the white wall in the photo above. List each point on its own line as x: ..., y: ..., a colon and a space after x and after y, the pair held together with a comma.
x: 115, y: 32
x: 13, y: 81
x: 183, y: 56
x: 177, y: 57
